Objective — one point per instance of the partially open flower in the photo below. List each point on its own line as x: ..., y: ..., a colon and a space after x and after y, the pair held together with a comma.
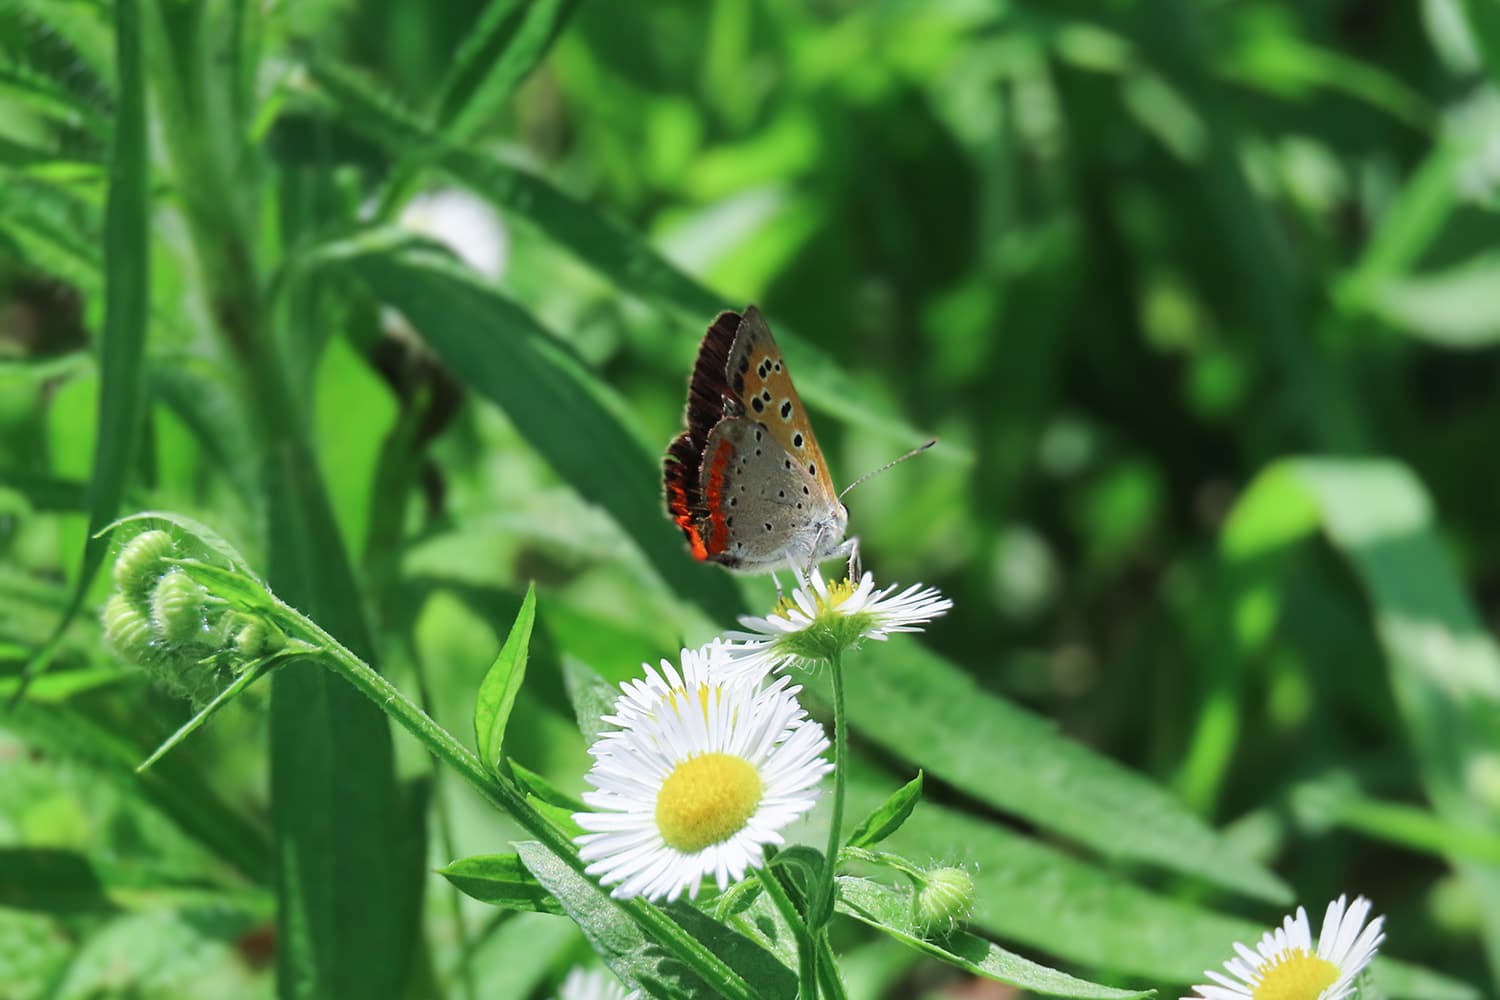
x: 1285, y: 966
x: 704, y: 771
x: 819, y: 621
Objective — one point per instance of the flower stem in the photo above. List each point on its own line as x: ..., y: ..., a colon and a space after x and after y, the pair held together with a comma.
x: 821, y: 909
x: 807, y: 956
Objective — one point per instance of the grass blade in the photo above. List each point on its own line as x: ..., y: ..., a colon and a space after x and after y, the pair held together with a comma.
x: 1013, y: 760
x: 127, y: 297
x: 506, y: 45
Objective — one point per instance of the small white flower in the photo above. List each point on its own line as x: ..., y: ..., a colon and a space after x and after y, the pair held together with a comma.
x: 820, y: 620
x: 705, y: 769
x: 593, y: 984
x: 464, y: 223
x: 1286, y: 967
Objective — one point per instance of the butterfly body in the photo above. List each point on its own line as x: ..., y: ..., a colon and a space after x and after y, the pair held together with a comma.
x: 746, y: 482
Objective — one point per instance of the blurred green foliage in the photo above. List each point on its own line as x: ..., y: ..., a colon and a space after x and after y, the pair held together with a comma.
x: 1201, y: 299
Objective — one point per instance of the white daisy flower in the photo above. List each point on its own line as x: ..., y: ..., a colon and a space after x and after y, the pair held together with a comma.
x: 706, y: 769
x: 593, y: 984
x: 1286, y: 967
x: 820, y: 620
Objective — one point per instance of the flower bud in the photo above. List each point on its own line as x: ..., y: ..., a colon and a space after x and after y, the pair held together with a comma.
x: 141, y: 563
x: 256, y: 639
x: 177, y: 607
x: 127, y: 630
x: 944, y: 902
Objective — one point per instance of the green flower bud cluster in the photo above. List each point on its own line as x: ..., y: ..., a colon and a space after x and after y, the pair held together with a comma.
x: 161, y: 619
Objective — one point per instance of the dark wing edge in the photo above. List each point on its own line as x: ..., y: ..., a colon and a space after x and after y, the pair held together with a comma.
x: 709, y: 401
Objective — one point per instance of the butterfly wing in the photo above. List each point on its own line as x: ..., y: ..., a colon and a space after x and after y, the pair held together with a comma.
x: 762, y: 384
x: 762, y: 504
x: 709, y: 401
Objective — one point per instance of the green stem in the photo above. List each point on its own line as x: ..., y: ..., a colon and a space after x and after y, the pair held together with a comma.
x: 828, y: 970
x: 821, y: 910
x: 507, y: 797
x: 807, y: 974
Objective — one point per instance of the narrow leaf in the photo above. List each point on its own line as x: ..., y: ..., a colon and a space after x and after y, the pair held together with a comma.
x: 591, y: 695
x: 500, y: 880
x: 498, y: 690
x: 508, y: 42
x: 224, y: 697
x: 888, y: 910
x: 1018, y: 762
x: 127, y: 296
x: 887, y: 819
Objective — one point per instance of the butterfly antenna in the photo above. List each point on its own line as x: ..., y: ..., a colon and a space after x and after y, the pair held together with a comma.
x: 895, y: 461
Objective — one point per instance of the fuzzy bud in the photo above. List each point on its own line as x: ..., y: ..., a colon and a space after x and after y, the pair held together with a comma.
x: 256, y: 639
x: 127, y: 630
x: 177, y: 608
x: 944, y: 902
x: 141, y: 563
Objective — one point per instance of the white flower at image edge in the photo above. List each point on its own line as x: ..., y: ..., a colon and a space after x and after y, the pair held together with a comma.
x: 705, y: 769
x: 1287, y: 967
x: 820, y: 620
x: 593, y: 984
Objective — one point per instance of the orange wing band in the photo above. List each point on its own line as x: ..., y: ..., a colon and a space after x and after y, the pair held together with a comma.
x: 713, y: 492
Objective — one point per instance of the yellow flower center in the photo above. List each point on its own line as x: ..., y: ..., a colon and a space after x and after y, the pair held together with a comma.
x: 1296, y: 975
x: 706, y: 800
x: 838, y: 593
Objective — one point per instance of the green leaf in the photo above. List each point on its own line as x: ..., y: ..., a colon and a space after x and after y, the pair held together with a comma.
x: 500, y: 880
x: 591, y: 695
x: 1451, y: 308
x: 505, y: 45
x: 127, y: 298
x: 67, y: 882
x: 652, y: 966
x: 561, y: 408
x: 888, y: 910
x: 1444, y: 666
x: 501, y: 684
x: 889, y: 816
x: 542, y: 789
x: 233, y: 690
x: 918, y: 705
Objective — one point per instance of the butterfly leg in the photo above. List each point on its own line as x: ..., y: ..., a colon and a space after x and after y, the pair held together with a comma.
x: 848, y: 550
x: 777, y: 580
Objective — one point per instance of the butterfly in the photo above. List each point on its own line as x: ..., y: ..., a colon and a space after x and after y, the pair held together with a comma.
x: 746, y: 482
